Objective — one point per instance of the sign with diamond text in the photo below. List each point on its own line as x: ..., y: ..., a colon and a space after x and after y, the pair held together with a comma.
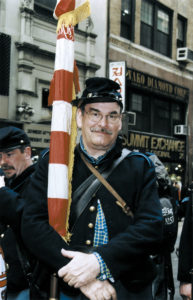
x: 117, y: 73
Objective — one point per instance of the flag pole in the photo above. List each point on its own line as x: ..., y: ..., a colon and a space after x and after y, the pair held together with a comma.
x: 54, y: 288
x: 63, y: 89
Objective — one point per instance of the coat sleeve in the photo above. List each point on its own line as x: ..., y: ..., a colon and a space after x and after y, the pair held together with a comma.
x: 38, y: 236
x: 142, y: 237
x: 185, y: 248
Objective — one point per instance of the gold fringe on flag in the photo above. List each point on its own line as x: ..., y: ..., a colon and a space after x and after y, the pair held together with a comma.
x: 71, y: 165
x: 75, y: 16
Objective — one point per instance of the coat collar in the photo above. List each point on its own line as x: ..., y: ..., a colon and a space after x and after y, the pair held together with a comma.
x: 113, y: 152
x: 18, y: 181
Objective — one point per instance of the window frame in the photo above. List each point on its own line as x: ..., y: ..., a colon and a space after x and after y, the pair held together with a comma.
x: 5, y: 63
x: 172, y: 121
x: 36, y: 2
x: 44, y: 12
x: 155, y: 32
x: 44, y: 97
x: 185, y: 23
x: 131, y: 23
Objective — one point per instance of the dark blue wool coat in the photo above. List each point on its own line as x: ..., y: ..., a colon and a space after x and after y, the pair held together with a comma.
x: 131, y: 242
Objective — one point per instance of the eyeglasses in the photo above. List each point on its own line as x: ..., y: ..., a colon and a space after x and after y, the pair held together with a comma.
x: 96, y: 116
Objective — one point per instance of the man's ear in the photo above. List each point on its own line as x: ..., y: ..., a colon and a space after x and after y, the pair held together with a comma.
x: 28, y: 152
x: 79, y: 118
x: 121, y: 124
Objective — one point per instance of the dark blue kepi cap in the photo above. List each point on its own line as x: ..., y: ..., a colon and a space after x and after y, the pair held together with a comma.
x: 100, y: 89
x: 12, y: 137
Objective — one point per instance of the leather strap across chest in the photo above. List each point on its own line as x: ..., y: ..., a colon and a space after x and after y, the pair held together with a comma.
x: 86, y: 197
x: 109, y: 187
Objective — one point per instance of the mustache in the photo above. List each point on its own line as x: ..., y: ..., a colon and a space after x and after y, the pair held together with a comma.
x: 102, y: 130
x: 6, y: 167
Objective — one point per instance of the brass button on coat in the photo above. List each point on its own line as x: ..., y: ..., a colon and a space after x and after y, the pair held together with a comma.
x: 88, y: 242
x: 90, y: 225
x: 92, y: 208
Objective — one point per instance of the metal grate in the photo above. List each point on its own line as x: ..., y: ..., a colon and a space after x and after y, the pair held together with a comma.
x: 5, y: 46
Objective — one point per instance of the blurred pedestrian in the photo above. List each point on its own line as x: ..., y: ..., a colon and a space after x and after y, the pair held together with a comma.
x: 185, y: 265
x: 17, y: 166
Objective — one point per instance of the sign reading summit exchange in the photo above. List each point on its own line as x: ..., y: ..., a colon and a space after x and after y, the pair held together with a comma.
x: 166, y: 148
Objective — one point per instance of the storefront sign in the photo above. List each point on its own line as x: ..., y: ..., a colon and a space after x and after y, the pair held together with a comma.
x: 39, y: 135
x: 158, y: 85
x: 166, y: 148
x: 117, y: 72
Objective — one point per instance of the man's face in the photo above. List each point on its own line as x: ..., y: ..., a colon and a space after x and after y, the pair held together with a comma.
x: 100, y: 124
x: 14, y: 162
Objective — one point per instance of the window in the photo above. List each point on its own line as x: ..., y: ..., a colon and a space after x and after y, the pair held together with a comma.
x: 46, y: 3
x: 147, y: 24
x: 44, y: 9
x: 141, y: 105
x: 136, y: 102
x: 127, y: 19
x: 181, y: 32
x: 161, y: 119
x: 45, y: 94
x: 178, y: 113
x: 5, y: 46
x: 153, y: 113
x: 156, y: 23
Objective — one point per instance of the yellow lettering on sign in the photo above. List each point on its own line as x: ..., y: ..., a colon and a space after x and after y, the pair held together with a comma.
x: 149, y: 82
x: 179, y: 146
x: 140, y: 78
x: 129, y: 74
x: 179, y: 91
x: 163, y: 147
x: 154, y: 144
x: 162, y: 154
x: 138, y: 141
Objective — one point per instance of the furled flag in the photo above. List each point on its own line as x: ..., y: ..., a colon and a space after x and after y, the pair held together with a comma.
x: 63, y: 89
x: 3, y: 278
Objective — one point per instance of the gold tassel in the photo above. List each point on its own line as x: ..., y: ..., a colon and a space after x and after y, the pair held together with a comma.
x: 75, y: 16
x: 71, y: 165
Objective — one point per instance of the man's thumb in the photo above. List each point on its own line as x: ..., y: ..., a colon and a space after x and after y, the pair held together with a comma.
x: 66, y: 253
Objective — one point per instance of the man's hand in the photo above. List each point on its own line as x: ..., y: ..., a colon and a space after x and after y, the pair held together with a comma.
x: 82, y: 269
x: 2, y: 181
x: 186, y: 291
x: 99, y: 290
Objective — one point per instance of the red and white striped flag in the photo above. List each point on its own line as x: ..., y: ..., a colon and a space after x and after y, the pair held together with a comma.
x: 63, y: 89
x: 3, y: 278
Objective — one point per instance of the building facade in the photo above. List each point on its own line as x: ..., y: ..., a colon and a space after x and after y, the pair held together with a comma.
x: 27, y: 53
x: 147, y: 35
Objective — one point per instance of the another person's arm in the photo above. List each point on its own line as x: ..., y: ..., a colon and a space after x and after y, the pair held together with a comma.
x: 185, y: 254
